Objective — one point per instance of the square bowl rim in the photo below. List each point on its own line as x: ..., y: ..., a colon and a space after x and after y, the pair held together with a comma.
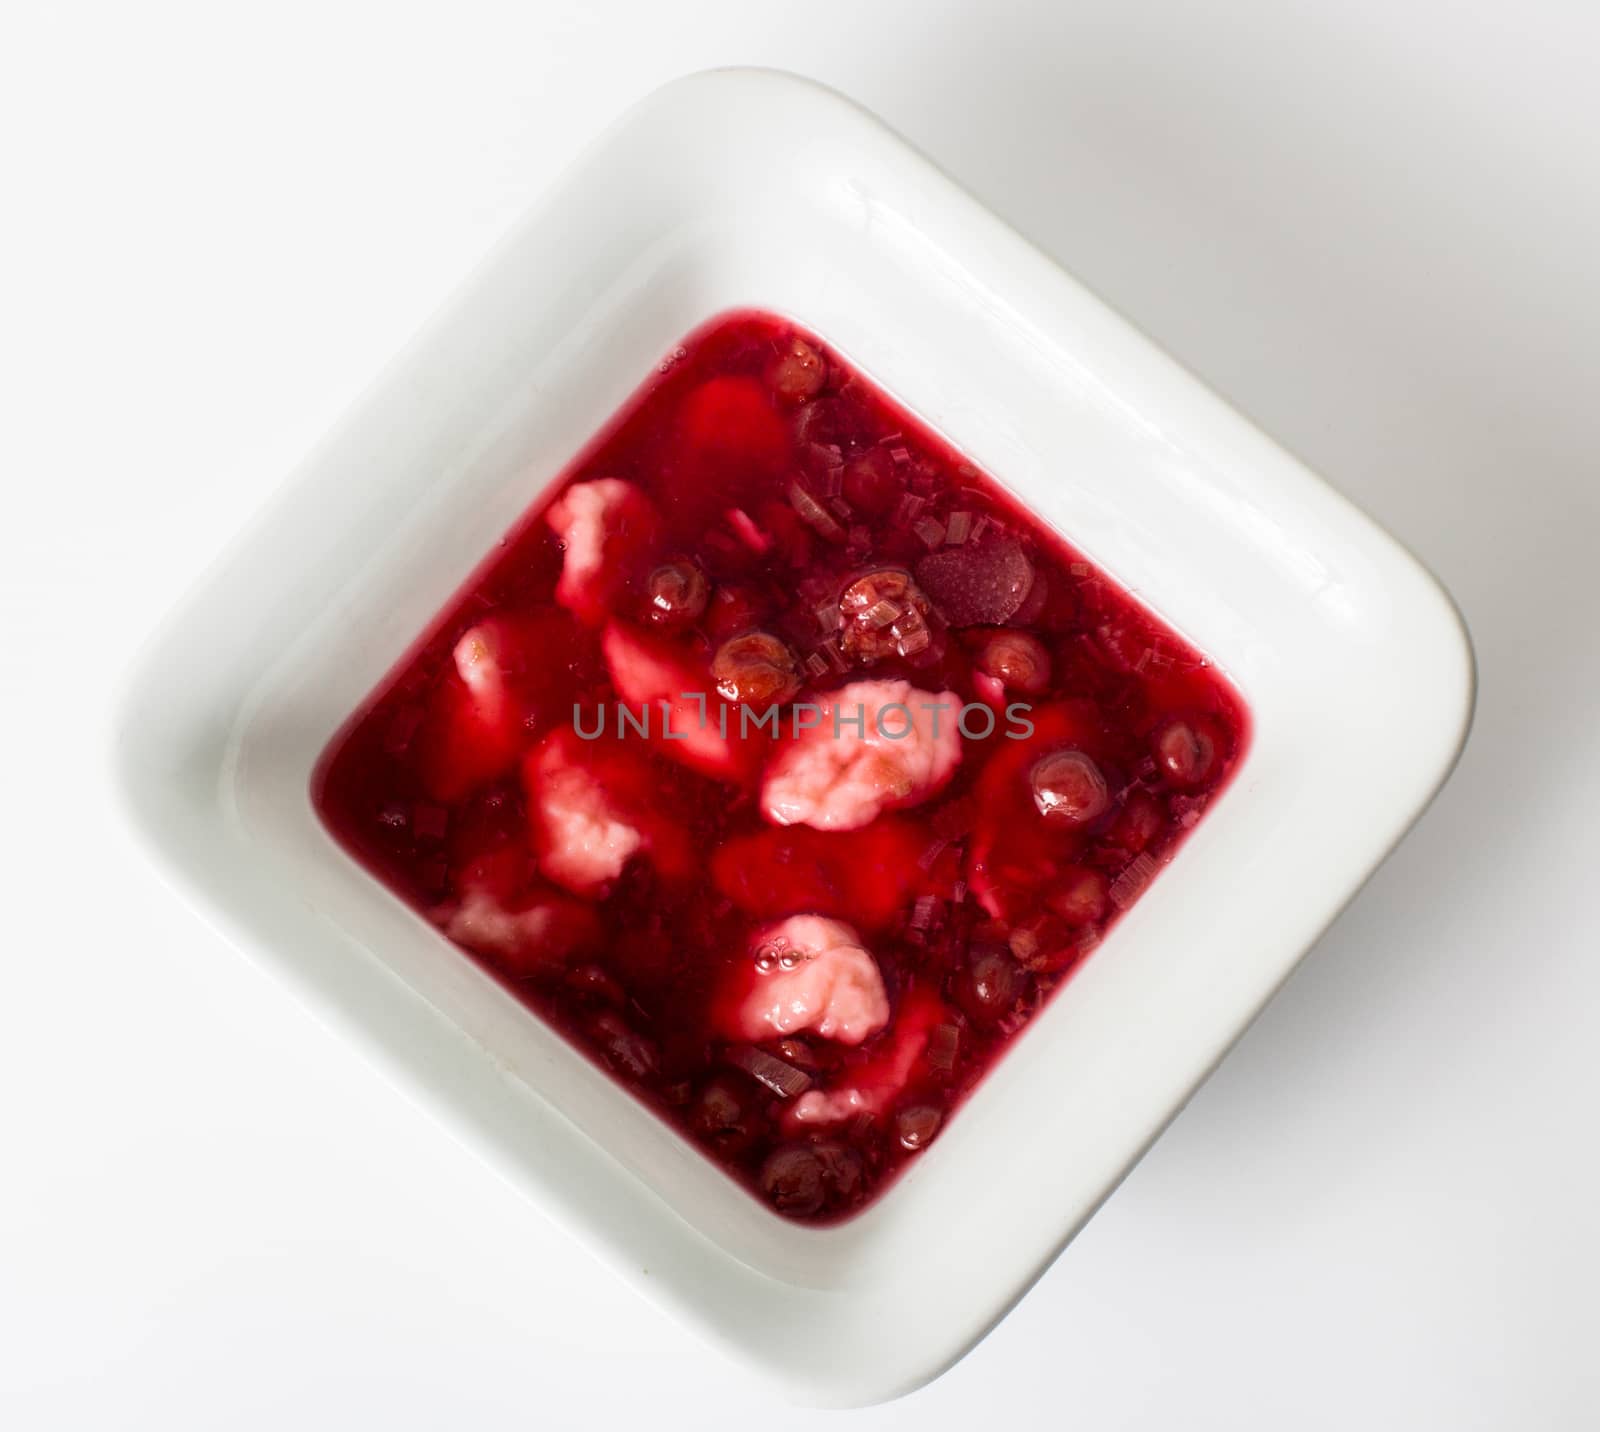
x: 676, y: 1266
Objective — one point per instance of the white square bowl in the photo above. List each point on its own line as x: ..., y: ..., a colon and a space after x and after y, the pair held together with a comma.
x: 749, y: 188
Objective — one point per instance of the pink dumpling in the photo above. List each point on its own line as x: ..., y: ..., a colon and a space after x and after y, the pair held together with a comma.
x: 605, y: 526
x: 879, y: 745
x: 810, y: 973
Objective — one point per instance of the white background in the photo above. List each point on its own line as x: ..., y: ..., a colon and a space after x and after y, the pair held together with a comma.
x: 1373, y: 224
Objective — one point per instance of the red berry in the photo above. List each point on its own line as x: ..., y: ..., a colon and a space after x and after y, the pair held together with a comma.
x: 757, y: 669
x: 799, y: 371
x: 990, y: 985
x: 872, y: 484
x: 885, y: 614
x: 1080, y: 896
x: 595, y: 982
x: 1068, y: 788
x: 1188, y: 751
x: 1016, y: 659
x: 983, y: 582
x: 916, y: 1124
x: 1140, y: 822
x: 1041, y: 943
x: 725, y: 1114
x: 800, y: 1179
x: 676, y: 594
x: 735, y: 608
x: 841, y: 1169
x: 834, y: 421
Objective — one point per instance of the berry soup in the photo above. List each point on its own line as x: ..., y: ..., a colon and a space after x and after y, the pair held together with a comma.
x: 784, y: 764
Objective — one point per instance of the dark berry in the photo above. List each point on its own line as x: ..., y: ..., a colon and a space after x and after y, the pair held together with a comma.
x: 725, y: 1114
x: 990, y: 985
x: 625, y: 1049
x: 792, y: 1180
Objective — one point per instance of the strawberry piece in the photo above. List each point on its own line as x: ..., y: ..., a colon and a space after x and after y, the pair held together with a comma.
x: 510, y: 675
x: 981, y: 583
x: 727, y: 430
x: 460, y: 745
x: 730, y: 422
x: 665, y: 680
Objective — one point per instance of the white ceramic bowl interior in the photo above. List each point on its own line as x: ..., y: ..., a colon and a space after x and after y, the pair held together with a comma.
x: 748, y: 188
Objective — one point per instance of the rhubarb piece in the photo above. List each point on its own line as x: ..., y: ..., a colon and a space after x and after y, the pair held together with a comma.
x: 782, y: 1078
x: 884, y: 614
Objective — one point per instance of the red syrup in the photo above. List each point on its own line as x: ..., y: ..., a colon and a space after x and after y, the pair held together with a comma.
x: 645, y: 768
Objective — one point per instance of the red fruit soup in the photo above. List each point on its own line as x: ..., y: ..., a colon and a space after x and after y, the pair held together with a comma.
x: 783, y: 763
